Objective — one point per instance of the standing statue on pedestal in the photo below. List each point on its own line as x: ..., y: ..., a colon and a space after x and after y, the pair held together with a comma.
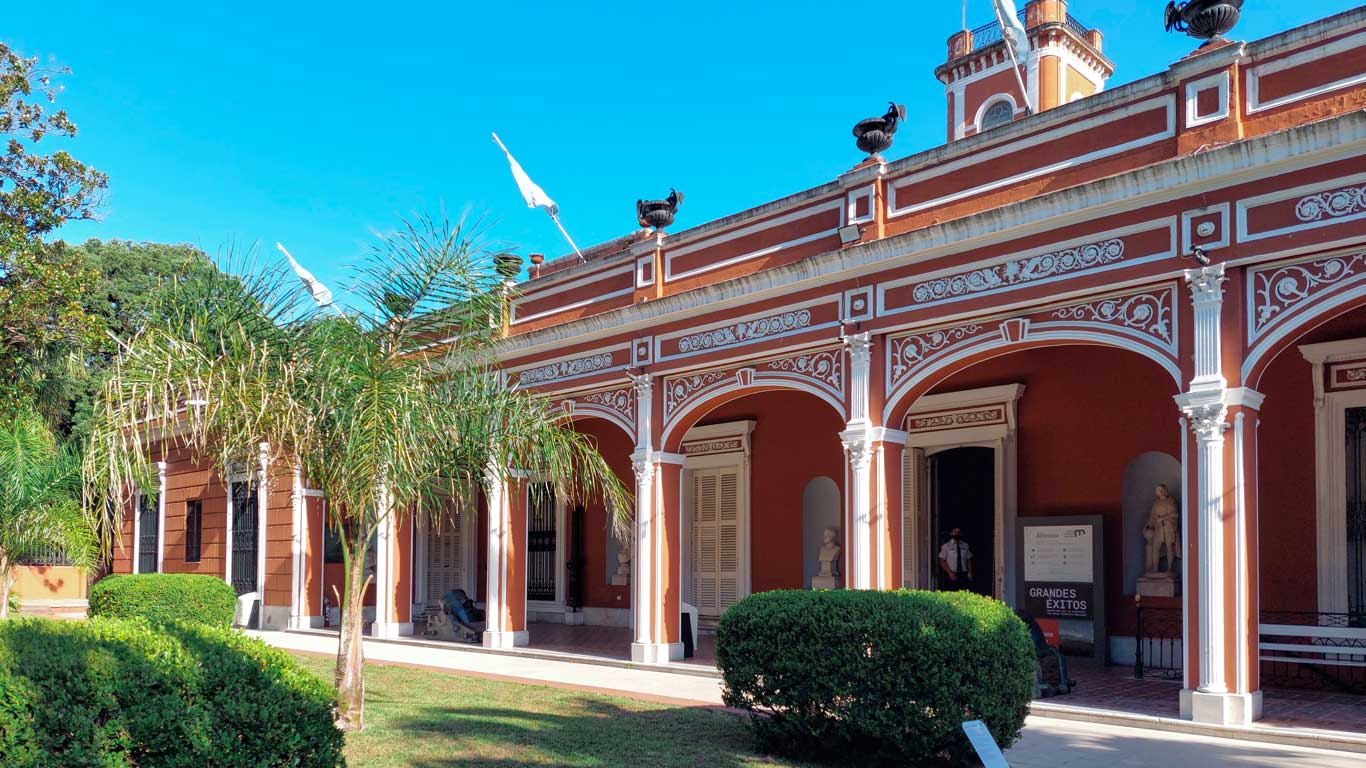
x: 1161, y: 536
x: 829, y: 556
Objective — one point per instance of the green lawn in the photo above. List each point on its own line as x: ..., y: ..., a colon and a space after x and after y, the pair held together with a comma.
x: 425, y: 719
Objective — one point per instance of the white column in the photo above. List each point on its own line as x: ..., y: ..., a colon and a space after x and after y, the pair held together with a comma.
x: 161, y: 517
x: 643, y: 604
x: 262, y: 523
x: 497, y: 632
x: 1207, y: 422
x: 857, y: 439
x: 1207, y: 297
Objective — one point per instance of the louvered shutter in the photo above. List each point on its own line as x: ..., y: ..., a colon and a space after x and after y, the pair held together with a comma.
x: 728, y: 539
x: 704, y: 540
x: 716, y: 553
x: 445, y: 557
x: 914, y: 508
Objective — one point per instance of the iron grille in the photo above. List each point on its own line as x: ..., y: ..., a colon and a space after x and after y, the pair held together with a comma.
x: 990, y: 34
x: 147, y: 534
x: 541, y: 542
x: 244, y: 542
x: 50, y: 557
x: 1356, y: 512
x: 1158, y: 651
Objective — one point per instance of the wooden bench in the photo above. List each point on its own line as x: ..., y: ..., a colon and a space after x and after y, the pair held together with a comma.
x: 1335, y: 646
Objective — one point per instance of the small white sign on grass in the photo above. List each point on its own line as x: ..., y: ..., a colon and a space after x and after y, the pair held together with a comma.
x: 981, y: 739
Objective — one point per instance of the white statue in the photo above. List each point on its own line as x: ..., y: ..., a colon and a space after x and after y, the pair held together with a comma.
x: 1162, y: 531
x: 829, y: 556
x: 623, y: 575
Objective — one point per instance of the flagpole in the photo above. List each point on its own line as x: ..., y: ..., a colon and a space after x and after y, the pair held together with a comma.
x: 556, y: 219
x: 1014, y: 62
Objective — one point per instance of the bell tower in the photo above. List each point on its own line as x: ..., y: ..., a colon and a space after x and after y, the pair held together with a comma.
x: 1060, y: 62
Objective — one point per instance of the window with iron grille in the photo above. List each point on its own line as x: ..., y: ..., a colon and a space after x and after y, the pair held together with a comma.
x: 194, y: 525
x: 997, y: 114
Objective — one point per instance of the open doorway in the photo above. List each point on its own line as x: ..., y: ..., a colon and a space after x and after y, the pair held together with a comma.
x: 963, y: 497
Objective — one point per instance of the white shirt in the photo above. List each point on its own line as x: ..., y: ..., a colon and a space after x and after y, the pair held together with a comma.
x: 949, y: 554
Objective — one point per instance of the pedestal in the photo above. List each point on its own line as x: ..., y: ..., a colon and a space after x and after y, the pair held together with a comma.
x: 1161, y: 585
x: 825, y: 582
x: 621, y: 579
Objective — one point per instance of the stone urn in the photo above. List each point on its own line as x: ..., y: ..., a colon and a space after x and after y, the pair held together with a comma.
x: 507, y: 265
x: 1206, y: 20
x: 658, y: 214
x: 875, y: 134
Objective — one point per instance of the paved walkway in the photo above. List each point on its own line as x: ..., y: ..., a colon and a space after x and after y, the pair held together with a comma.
x: 1047, y: 742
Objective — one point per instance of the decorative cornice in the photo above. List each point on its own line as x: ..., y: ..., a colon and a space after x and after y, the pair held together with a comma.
x: 748, y: 330
x: 1019, y: 271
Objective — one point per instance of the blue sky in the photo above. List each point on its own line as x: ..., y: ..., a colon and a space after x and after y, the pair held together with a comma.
x: 319, y: 125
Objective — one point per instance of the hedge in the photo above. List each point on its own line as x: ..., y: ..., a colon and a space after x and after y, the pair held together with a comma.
x: 164, y: 598
x: 111, y: 692
x: 876, y: 677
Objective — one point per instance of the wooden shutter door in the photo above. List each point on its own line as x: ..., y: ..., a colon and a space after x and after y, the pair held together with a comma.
x: 727, y: 539
x: 914, y: 508
x: 445, y: 555
x: 704, y: 540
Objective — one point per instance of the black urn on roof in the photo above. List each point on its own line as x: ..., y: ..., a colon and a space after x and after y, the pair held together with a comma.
x: 874, y: 135
x: 507, y: 265
x: 659, y: 213
x: 1206, y: 20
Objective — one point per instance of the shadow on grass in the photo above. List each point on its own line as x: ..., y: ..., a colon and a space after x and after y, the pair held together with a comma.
x: 597, y: 733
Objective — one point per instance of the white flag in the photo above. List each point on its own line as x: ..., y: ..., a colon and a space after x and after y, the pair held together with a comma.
x: 535, y: 196
x: 320, y: 293
x: 1012, y: 31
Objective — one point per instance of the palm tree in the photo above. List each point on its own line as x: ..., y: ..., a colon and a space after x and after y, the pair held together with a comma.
x: 40, y: 492
x: 393, y: 405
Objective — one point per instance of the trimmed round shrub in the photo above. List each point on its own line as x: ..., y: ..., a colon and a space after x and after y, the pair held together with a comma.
x: 876, y: 678
x: 164, y: 598
x: 112, y: 692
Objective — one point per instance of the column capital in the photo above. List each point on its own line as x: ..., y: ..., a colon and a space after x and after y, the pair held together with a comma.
x: 860, y: 346
x: 1207, y: 421
x: 642, y: 383
x: 858, y: 445
x: 1206, y: 284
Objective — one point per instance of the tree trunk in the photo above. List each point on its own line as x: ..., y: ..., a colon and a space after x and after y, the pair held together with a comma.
x: 351, y: 652
x: 6, y: 583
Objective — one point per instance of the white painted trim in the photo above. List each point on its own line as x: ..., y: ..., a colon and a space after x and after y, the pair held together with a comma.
x: 811, y: 305
x: 851, y: 199
x: 1304, y: 190
x: 1220, y: 81
x: 235, y: 475
x: 536, y: 293
x: 612, y: 350
x: 1166, y: 101
x: 514, y: 318
x: 161, y: 516
x: 1188, y: 681
x: 1307, y: 56
x: 262, y: 521
x: 769, y: 379
x: 992, y: 101
x: 641, y: 263
x: 1240, y: 586
x: 1169, y: 222
x: 556, y: 605
x: 1188, y: 216
x: 669, y: 274
x: 1319, y: 308
x: 741, y: 461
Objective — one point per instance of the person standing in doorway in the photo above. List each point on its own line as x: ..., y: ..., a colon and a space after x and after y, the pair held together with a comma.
x: 955, y: 560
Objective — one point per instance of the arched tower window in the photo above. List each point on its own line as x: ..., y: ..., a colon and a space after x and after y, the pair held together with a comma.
x: 997, y: 114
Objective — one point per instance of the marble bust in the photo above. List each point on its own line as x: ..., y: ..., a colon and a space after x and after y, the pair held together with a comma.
x: 829, y: 556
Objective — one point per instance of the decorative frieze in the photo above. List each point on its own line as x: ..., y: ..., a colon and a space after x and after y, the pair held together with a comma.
x: 820, y: 369
x: 619, y: 403
x: 1278, y: 289
x: 1332, y: 204
x: 1019, y: 271
x: 825, y: 367
x: 708, y: 447
x: 1347, y: 375
x: 1149, y: 313
x: 968, y: 417
x: 748, y: 330
x: 907, y: 352
x: 563, y: 369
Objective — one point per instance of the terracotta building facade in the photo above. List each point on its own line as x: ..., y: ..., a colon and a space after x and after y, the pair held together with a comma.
x: 1047, y: 317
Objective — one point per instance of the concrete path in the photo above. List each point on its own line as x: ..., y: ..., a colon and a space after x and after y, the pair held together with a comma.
x: 1047, y: 742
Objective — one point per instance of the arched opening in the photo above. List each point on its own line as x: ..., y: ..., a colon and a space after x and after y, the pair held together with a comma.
x: 997, y: 113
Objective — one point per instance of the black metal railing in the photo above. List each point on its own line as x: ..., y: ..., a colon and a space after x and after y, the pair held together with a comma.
x: 1291, y: 657
x: 542, y: 543
x: 50, y: 557
x: 990, y: 34
x: 245, y: 519
x: 1158, y: 648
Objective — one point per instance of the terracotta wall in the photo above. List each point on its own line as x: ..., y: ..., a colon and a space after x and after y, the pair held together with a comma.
x: 1286, y: 462
x: 616, y: 446
x: 1086, y: 413
x: 796, y: 439
x: 185, y: 481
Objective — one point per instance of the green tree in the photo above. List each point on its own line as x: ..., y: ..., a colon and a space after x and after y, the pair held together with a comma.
x: 40, y: 509
x: 40, y: 285
x: 393, y: 406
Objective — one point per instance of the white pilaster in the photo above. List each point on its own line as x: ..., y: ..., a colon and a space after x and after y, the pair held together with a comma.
x: 857, y: 439
x: 298, y: 615
x: 650, y: 645
x: 496, y: 632
x: 161, y: 517
x: 1207, y: 297
x: 262, y: 522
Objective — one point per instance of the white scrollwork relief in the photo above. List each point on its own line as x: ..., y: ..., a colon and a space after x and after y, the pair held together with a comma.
x: 677, y: 391
x: 1149, y: 313
x: 1277, y: 289
x: 825, y: 367
x: 1207, y: 421
x: 564, y: 368
x: 909, y: 351
x: 1019, y: 271
x: 1332, y: 204
x: 745, y: 331
x: 619, y: 401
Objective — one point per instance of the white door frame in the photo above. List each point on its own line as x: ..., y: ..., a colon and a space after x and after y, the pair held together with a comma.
x: 716, y: 445
x: 160, y: 468
x: 464, y: 518
x: 555, y: 606
x: 955, y: 414
x: 1330, y: 467
x: 236, y: 474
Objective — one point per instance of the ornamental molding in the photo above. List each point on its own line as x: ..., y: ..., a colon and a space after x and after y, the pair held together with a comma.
x: 620, y: 402
x: 910, y: 352
x: 563, y: 369
x: 1332, y: 204
x: 1019, y: 271
x: 1207, y: 421
x: 1279, y: 289
x: 1206, y: 284
x: 748, y: 330
x: 1147, y: 313
x: 822, y: 370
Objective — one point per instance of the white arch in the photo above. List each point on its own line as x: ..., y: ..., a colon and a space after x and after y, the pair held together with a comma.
x: 897, y: 395
x: 597, y: 411
x: 1313, y: 313
x: 762, y: 382
x: 991, y: 102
